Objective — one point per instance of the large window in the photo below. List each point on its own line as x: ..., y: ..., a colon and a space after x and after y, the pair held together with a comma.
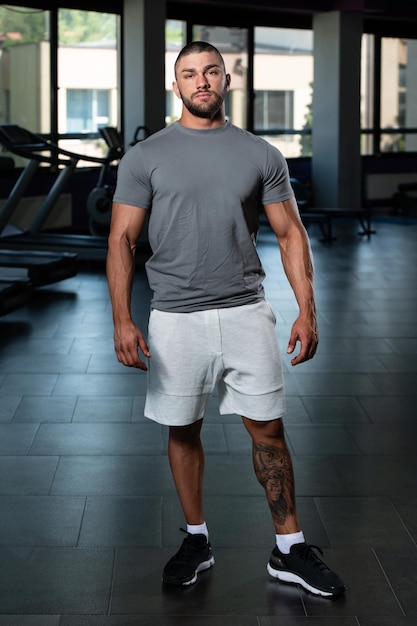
x: 283, y: 79
x: 398, y: 93
x: 25, y: 68
x: 175, y: 39
x: 87, y: 77
x: 66, y: 92
x: 388, y: 95
x: 87, y: 109
x: 367, y: 93
x: 274, y: 109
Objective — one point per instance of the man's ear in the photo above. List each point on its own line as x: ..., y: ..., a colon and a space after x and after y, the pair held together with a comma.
x: 228, y: 81
x: 176, y: 90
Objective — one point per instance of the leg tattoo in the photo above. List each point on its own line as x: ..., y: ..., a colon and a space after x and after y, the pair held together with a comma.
x: 274, y: 471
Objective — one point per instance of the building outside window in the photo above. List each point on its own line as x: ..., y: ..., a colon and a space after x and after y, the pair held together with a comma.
x: 88, y: 80
x: 87, y: 109
x: 25, y: 68
x: 398, y: 93
x: 88, y: 77
x: 283, y: 81
x: 87, y: 74
x: 274, y: 109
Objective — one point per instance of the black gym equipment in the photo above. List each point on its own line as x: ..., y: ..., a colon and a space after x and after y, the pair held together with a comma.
x: 99, y: 200
x: 24, y: 269
x: 36, y: 150
x: 41, y: 268
x: 14, y: 293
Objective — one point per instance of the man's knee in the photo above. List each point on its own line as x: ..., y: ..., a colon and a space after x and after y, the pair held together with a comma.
x: 185, y: 434
x: 270, y: 430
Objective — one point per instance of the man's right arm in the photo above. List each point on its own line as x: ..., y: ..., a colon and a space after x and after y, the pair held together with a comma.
x: 126, y: 225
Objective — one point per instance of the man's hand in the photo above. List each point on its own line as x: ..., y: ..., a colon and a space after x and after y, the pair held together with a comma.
x: 127, y: 342
x: 305, y: 331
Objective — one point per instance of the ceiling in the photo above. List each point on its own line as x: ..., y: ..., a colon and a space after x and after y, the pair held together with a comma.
x: 382, y: 12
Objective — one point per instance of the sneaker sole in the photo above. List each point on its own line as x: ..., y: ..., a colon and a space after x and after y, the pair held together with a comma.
x: 290, y: 577
x: 201, y: 567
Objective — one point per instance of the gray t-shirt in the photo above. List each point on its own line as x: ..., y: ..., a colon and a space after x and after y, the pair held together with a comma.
x: 206, y: 189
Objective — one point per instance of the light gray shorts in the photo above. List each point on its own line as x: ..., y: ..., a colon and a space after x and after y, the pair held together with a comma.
x: 235, y: 349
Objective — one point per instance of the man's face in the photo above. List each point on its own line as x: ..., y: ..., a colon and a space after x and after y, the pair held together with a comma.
x: 201, y: 83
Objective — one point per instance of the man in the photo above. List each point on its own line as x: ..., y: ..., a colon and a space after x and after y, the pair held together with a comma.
x: 210, y: 325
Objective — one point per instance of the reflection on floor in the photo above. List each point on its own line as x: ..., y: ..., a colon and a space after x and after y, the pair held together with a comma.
x: 88, y: 512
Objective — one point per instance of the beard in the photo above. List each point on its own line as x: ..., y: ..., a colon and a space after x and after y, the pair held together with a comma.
x: 206, y: 110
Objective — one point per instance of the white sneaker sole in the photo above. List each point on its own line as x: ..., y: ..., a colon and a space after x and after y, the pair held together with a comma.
x: 290, y: 577
x: 203, y: 566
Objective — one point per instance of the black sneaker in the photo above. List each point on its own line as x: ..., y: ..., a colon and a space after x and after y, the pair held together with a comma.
x: 194, y: 556
x: 302, y: 566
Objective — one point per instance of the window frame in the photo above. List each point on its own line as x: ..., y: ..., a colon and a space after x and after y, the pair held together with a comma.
x: 247, y: 18
x: 106, y: 6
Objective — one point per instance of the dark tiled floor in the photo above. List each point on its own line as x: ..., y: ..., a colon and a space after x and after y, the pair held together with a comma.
x: 88, y: 512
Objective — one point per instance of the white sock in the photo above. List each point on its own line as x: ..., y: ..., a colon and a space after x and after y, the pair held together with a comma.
x: 284, y: 542
x: 198, y: 529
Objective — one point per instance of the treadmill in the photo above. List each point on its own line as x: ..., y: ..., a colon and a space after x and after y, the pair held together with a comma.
x: 40, y: 268
x: 14, y: 294
x: 37, y: 150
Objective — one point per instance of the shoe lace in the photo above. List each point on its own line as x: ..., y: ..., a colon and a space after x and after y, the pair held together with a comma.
x: 307, y: 554
x: 188, y: 547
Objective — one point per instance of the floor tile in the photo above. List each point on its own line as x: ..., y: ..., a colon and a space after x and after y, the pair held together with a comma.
x: 40, y: 521
x: 155, y: 620
x: 26, y: 475
x: 346, y: 363
x: 112, y: 475
x: 365, y: 475
x: 312, y: 384
x: 406, y: 507
x: 127, y: 383
x: 356, y: 522
x: 28, y: 384
x: 397, y: 363
x: 8, y: 407
x: 28, y: 345
x: 394, y: 384
x: 106, y: 409
x: 315, y: 475
x: 400, y: 566
x: 391, y: 409
x: 311, y: 621
x: 16, y: 439
x: 376, y: 439
x: 44, y: 363
x: 334, y: 410
x: 386, y: 620
x: 118, y: 521
x: 55, y: 580
x: 97, y: 439
x: 29, y: 620
x: 321, y: 439
x: 45, y: 409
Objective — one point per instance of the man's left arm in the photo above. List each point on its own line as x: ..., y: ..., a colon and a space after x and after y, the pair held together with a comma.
x: 297, y: 261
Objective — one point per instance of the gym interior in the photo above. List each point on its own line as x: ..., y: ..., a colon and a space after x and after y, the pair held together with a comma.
x: 89, y: 514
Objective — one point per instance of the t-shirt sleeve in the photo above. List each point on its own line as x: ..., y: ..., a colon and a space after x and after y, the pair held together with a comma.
x: 276, y: 182
x: 133, y: 185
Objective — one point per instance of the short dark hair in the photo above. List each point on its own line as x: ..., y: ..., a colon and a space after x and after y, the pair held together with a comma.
x: 195, y: 47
